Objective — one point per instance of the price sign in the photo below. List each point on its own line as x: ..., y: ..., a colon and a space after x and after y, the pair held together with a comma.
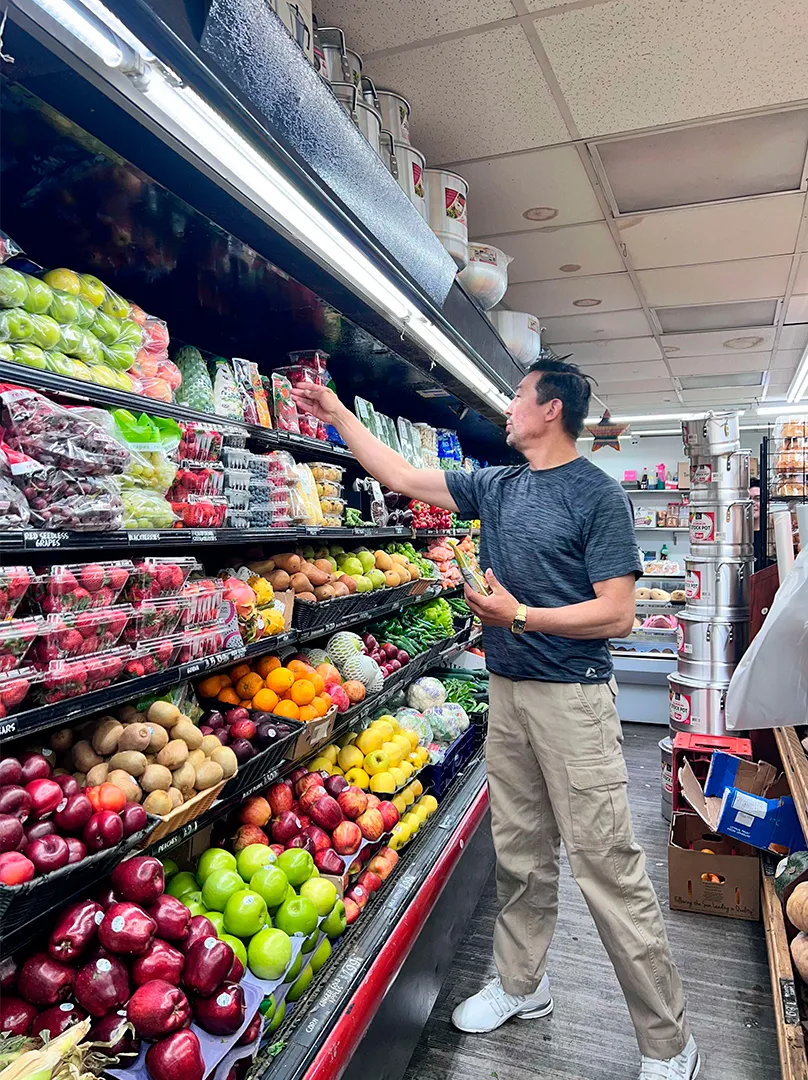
x: 203, y: 536
x: 8, y: 728
x: 143, y: 537
x: 44, y: 539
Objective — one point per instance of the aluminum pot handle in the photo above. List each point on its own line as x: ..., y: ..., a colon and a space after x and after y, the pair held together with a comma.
x: 739, y: 502
x: 387, y: 136
x: 366, y: 82
x: 335, y: 30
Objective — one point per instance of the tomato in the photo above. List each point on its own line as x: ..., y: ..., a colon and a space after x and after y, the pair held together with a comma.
x: 107, y: 797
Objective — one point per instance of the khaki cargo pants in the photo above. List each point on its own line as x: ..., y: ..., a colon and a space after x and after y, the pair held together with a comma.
x: 556, y: 772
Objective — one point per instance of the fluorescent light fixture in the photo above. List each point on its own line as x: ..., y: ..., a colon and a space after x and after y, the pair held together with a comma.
x: 225, y: 152
x: 799, y: 384
x: 650, y: 417
x: 783, y: 408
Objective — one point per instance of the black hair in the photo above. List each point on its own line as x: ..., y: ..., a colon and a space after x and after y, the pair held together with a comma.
x: 572, y: 388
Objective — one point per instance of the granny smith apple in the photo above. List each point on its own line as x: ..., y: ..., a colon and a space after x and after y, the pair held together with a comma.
x: 66, y: 280
x: 297, y: 864
x: 30, y: 355
x: 236, y: 944
x: 217, y: 919
x: 181, y: 883
x: 193, y: 901
x: 269, y: 954
x: 219, y: 887
x: 295, y: 969
x: 252, y: 858
x: 322, y: 893
x: 214, y: 858
x: 245, y: 913
x: 295, y: 916
x: 299, y: 988
x: 170, y: 868
x: 335, y: 923
x: 320, y: 957
x: 310, y: 943
x: 271, y: 883
x: 277, y: 1019
x: 90, y: 288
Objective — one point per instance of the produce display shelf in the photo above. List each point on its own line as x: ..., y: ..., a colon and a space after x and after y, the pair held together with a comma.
x: 790, y: 1034
x: 426, y: 534
x: 795, y: 766
x: 351, y: 620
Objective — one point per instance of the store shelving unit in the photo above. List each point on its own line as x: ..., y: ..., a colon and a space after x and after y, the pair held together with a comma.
x: 790, y: 1032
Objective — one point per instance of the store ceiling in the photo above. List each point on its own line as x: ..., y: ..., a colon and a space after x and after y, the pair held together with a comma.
x: 664, y: 143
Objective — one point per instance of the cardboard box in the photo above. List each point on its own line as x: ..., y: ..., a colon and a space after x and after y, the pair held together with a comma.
x: 747, y: 801
x: 314, y: 734
x: 683, y: 473
x: 723, y: 880
x: 698, y: 751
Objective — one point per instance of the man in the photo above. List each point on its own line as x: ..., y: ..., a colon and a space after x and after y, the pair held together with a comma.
x: 558, y: 537
x: 754, y: 495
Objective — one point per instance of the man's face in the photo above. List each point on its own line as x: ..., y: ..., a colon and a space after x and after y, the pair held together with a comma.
x: 527, y: 419
x: 754, y: 495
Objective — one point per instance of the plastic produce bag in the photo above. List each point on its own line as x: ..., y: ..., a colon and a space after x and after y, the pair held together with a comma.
x: 283, y: 405
x: 144, y: 509
x: 13, y: 287
x: 770, y: 685
x: 60, y: 500
x: 8, y: 248
x: 14, y: 510
x: 196, y: 391
x: 226, y: 395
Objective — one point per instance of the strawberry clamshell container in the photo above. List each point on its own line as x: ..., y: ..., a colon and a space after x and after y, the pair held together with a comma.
x: 16, y: 638
x: 14, y: 584
x: 62, y: 679
x: 67, y: 636
x: 157, y: 577
x: 79, y: 586
x: 149, y: 657
x: 153, y: 619
x: 15, y: 687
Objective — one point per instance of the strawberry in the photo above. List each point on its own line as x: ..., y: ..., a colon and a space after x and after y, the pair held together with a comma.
x: 79, y: 599
x: 162, y: 652
x: 7, y: 661
x: 135, y: 669
x: 149, y: 664
x: 13, y: 691
x: 61, y: 581
x: 117, y: 576
x: 3, y: 712
x: 17, y: 580
x: 89, y: 646
x: 116, y: 622
x: 70, y: 642
x: 104, y: 597
x: 86, y: 623
x: 92, y: 576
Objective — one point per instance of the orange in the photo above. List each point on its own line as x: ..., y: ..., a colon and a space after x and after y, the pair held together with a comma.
x: 267, y: 664
x: 297, y: 665
x: 239, y: 671
x: 287, y: 709
x: 246, y: 703
x: 302, y: 692
x: 280, y: 680
x: 229, y: 696
x: 327, y: 699
x: 249, y: 685
x: 307, y: 713
x: 265, y: 700
x: 319, y: 705
x: 211, y: 686
x: 317, y: 682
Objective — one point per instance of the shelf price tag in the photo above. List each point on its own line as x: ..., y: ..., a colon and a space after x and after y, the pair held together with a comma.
x: 8, y: 728
x: 144, y: 537
x: 208, y: 662
x: 44, y: 539
x: 203, y: 536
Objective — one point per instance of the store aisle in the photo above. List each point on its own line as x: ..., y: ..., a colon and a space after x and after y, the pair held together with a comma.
x: 589, y: 1037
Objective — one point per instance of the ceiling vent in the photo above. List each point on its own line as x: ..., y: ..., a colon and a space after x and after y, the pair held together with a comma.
x: 748, y: 313
x: 708, y: 382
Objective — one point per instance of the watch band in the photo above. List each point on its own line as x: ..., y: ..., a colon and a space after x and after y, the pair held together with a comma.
x: 519, y: 620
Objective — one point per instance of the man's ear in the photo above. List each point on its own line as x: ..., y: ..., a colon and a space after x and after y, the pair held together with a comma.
x: 555, y: 408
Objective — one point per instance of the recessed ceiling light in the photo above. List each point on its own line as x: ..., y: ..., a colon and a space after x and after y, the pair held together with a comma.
x: 743, y: 342
x: 569, y: 268
x: 540, y: 213
x: 586, y: 302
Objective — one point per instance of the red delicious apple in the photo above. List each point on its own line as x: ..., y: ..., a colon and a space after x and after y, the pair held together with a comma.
x: 319, y: 836
x: 16, y: 1015
x: 310, y: 796
x: 101, y: 985
x: 285, y: 826
x: 236, y: 972
x: 126, y: 929
x: 390, y: 816
x: 207, y: 963
x: 139, y: 879
x: 380, y: 867
x: 251, y: 1031
x: 57, y: 1018
x: 347, y: 837
x: 369, y: 881
x: 157, y: 1008
x: 73, y: 812
x: 371, y: 823
x: 159, y: 961
x: 103, y: 830
x: 43, y: 980
x: 243, y: 749
x: 326, y: 812
x: 171, y: 916
x: 297, y: 774
x: 15, y: 800
x: 329, y: 862
x: 199, y: 928
x: 312, y: 779
x: 10, y: 771
x: 76, y: 929
x: 232, y: 716
x: 114, y: 1029
x: 276, y: 848
x: 8, y: 975
x: 34, y: 767
x: 177, y: 1057
x: 222, y: 1013
x: 133, y: 818
x: 373, y: 801
x: 352, y: 910
x: 242, y: 729
x: 335, y: 784
x: 246, y: 835
x: 352, y: 802
x: 69, y: 784
x: 358, y: 894
x: 303, y: 842
x: 295, y: 807
x: 280, y: 797
x: 305, y: 821
x: 76, y: 848
x: 107, y: 897
x: 11, y: 832
x: 15, y: 868
x: 255, y: 811
x: 45, y: 795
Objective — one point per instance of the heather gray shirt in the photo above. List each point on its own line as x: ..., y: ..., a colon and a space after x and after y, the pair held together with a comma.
x: 548, y: 535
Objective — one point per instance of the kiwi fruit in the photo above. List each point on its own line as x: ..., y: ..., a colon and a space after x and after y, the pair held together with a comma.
x: 226, y: 759
x: 156, y: 778
x: 189, y: 733
x: 131, y: 761
x: 122, y: 779
x: 163, y: 713
x: 136, y: 737
x: 208, y: 774
x: 158, y: 802
x: 97, y: 775
x: 84, y: 757
x: 106, y: 735
x: 173, y: 754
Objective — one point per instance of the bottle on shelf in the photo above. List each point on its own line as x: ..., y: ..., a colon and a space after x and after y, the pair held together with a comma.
x: 644, y: 480
x: 663, y: 552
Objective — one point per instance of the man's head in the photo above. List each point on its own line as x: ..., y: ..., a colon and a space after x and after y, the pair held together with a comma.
x: 754, y: 495
x: 552, y: 399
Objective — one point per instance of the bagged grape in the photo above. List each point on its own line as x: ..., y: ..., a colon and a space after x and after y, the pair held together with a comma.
x: 144, y: 509
x: 14, y: 511
x: 61, y: 500
x: 196, y: 391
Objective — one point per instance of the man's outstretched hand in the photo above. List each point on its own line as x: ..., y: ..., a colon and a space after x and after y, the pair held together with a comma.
x: 320, y: 401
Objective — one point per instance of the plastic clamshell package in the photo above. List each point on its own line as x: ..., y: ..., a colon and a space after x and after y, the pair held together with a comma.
x: 63, y: 679
x: 159, y: 576
x: 205, y: 597
x: 79, y: 586
x: 16, y: 638
x: 197, y: 644
x: 153, y: 619
x: 15, y: 687
x: 14, y: 584
x: 67, y: 636
x: 324, y: 470
x: 148, y: 657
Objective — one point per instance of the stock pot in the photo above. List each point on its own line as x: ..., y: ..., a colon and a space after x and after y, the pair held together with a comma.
x: 722, y: 527
x: 710, y: 646
x: 720, y: 586
x: 715, y: 478
x: 715, y: 433
x: 698, y: 706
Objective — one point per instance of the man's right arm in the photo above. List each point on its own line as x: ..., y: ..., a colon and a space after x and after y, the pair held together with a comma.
x: 390, y: 468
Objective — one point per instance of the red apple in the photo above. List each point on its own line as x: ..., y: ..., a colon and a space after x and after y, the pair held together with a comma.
x: 10, y: 771
x: 101, y: 985
x: 232, y: 716
x: 285, y: 826
x: 303, y: 842
x: 352, y: 802
x: 255, y: 811
x: 76, y: 848
x: 160, y: 961
x: 133, y: 818
x: 103, y: 830
x: 358, y: 894
x: 114, y: 1029
x: 45, y: 796
x: 320, y: 838
x: 243, y: 729
x: 326, y: 813
x: 126, y: 929
x: 390, y: 816
x: 178, y: 1057
x: 199, y: 928
x: 171, y: 916
x: 139, y: 879
x: 369, y: 881
x: 8, y: 975
x: 347, y: 837
x: 34, y: 767
x: 48, y: 853
x: 297, y: 774
x: 246, y: 835
x: 43, y: 980
x: 15, y: 800
x: 307, y: 781
x: 15, y: 868
x: 305, y: 821
x: 352, y: 910
x: 251, y: 1031
x: 310, y: 796
x: 280, y: 797
x: 11, y: 832
x: 156, y: 1009
x: 221, y: 1013
x: 35, y: 829
x: 380, y: 867
x: 236, y: 972
x: 75, y: 930
x: 371, y: 823
x: 69, y: 784
x: 73, y: 812
x: 329, y: 862
x: 335, y: 784
x: 373, y: 801
x: 389, y: 855
x: 16, y: 1015
x: 107, y: 897
x: 206, y: 965
x: 57, y: 1018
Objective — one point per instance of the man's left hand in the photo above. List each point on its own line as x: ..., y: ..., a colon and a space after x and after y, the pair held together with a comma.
x: 498, y: 609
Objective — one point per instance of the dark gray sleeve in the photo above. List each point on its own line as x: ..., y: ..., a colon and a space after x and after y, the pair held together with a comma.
x: 610, y: 544
x: 466, y: 490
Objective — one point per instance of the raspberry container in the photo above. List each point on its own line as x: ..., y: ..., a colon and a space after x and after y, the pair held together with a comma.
x: 63, y: 679
x: 14, y: 584
x: 149, y: 657
x: 153, y: 619
x: 15, y: 687
x: 324, y: 470
x: 156, y: 577
x: 65, y: 637
x: 300, y: 375
x: 16, y: 637
x: 201, y: 512
x: 238, y: 519
x: 205, y: 597
x: 199, y: 442
x: 197, y: 644
x: 79, y: 586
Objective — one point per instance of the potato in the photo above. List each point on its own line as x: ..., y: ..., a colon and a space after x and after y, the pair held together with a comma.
x: 279, y: 580
x: 209, y: 744
x: 173, y: 754
x: 158, y: 737
x: 300, y: 583
x: 288, y: 562
x: 128, y: 714
x: 188, y: 732
x: 156, y: 778
x: 163, y: 713
x: 136, y: 737
x: 208, y: 774
x: 106, y: 735
x: 325, y: 592
x: 314, y: 574
x: 62, y: 739
x: 97, y: 775
x: 340, y: 588
x: 128, y: 785
x: 226, y: 759
x: 130, y: 761
x: 158, y: 802
x: 197, y: 757
x: 184, y: 777
x: 176, y: 797
x: 84, y: 757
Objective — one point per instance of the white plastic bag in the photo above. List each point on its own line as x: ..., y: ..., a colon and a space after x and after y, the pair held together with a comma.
x: 770, y: 685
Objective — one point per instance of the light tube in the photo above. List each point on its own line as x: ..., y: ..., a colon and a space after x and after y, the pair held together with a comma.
x: 799, y: 384
x: 783, y: 408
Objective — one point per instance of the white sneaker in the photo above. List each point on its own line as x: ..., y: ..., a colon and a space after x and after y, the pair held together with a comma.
x: 684, y: 1066
x: 490, y: 1008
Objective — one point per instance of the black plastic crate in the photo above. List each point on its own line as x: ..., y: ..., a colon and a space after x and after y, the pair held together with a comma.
x: 253, y: 773
x: 437, y: 778
x: 309, y: 617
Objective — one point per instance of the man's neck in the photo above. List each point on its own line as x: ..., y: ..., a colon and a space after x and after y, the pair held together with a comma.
x: 549, y: 454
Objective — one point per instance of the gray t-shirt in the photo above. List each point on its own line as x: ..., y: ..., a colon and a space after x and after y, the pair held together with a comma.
x: 548, y: 535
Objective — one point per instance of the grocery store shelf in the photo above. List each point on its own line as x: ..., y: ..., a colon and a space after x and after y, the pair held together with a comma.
x: 654, y: 491
x: 455, y: 533
x: 790, y: 1035
x: 795, y: 766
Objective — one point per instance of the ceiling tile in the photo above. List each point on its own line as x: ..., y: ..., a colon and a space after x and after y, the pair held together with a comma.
x: 624, y: 373
x: 719, y: 342
x: 592, y: 354
x: 539, y: 255
x: 735, y: 395
x: 624, y: 65
x: 797, y: 311
x: 611, y: 324
x: 779, y: 382
x: 786, y: 359
x: 632, y: 404
x: 751, y: 279
x: 542, y: 5
x: 794, y: 337
x: 715, y: 365
x: 547, y: 298
x: 739, y: 230
x: 503, y: 188
x: 474, y: 96
x: 398, y: 22
x: 801, y: 281
x: 662, y: 384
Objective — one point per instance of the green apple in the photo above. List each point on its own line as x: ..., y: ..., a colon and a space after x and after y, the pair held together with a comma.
x: 39, y: 296
x: 320, y: 957
x: 267, y: 1007
x: 91, y: 289
x: 271, y: 883
x: 296, y: 916
x: 236, y: 944
x: 322, y: 893
x: 66, y: 280
x: 214, y: 858
x: 181, y: 883
x: 367, y: 561
x: 310, y: 943
x: 170, y: 868
x: 245, y: 913
x: 13, y: 287
x: 64, y: 307
x: 31, y: 356
x: 219, y: 887
x: 299, y: 988
x: 295, y: 969
x: 269, y: 953
x: 217, y: 919
x: 196, y: 907
x: 17, y: 325
x: 253, y: 858
x: 297, y: 864
x: 376, y: 578
x: 277, y: 1019
x: 335, y: 923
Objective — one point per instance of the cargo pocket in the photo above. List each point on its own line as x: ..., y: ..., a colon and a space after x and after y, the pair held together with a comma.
x: 599, y: 804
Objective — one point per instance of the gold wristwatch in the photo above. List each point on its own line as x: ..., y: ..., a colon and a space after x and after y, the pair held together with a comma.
x: 519, y: 620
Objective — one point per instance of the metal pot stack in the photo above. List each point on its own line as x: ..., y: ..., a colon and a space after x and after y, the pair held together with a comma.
x: 713, y: 630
